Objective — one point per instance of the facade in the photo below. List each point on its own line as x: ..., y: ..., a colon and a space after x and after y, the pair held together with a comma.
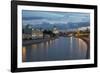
x: 36, y: 33
x: 30, y: 33
x: 27, y: 32
x: 26, y: 36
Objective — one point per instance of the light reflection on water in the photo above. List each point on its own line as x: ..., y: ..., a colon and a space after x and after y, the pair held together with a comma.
x: 63, y: 48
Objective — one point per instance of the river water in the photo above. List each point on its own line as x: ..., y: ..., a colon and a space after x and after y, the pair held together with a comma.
x: 62, y: 48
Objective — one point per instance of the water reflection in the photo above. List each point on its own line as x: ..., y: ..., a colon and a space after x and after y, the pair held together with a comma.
x: 71, y: 46
x: 24, y: 54
x: 63, y: 48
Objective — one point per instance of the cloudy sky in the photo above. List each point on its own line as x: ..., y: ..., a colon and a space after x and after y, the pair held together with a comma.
x: 40, y: 17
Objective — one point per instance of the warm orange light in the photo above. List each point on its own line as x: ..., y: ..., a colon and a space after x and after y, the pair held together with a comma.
x: 23, y: 54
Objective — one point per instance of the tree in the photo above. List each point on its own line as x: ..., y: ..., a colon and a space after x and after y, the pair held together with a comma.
x: 48, y: 32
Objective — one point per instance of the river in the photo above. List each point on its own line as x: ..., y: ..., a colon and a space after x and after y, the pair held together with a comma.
x: 62, y: 48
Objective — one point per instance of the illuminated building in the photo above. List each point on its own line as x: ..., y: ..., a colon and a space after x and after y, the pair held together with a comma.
x: 55, y: 30
x: 30, y: 33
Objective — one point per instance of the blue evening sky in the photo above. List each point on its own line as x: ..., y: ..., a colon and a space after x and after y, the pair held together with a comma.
x: 40, y: 17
